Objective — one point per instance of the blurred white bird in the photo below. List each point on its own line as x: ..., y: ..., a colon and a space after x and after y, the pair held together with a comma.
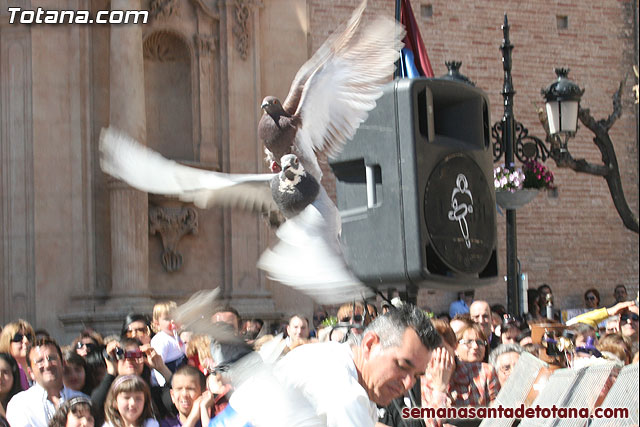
x: 250, y: 373
x: 307, y: 257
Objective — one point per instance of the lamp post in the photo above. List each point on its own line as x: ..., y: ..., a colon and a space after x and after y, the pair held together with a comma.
x: 514, y: 297
x: 512, y: 140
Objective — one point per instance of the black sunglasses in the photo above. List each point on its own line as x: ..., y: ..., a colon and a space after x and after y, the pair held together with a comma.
x: 90, y: 346
x: 356, y: 319
x: 628, y: 316
x: 18, y: 337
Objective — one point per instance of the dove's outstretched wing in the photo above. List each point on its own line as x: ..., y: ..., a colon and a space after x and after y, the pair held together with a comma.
x: 308, y: 256
x: 124, y: 158
x: 338, y: 96
x: 195, y: 314
x: 335, y: 42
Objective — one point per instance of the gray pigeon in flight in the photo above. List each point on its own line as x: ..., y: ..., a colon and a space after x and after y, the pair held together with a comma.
x: 308, y: 255
x: 332, y: 92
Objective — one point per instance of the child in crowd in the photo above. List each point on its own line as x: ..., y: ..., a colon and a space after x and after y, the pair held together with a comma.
x: 166, y: 341
x: 128, y: 403
x: 75, y: 412
x: 76, y: 374
x: 190, y: 398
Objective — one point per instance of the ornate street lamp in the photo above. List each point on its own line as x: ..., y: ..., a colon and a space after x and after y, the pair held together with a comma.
x: 512, y: 140
x: 563, y: 104
x: 562, y: 101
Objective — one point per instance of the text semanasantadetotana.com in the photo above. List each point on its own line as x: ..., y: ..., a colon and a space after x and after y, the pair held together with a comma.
x: 42, y: 16
x: 519, y: 412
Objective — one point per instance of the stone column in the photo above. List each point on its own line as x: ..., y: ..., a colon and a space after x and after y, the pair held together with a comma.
x: 129, y: 207
x: 17, y: 226
x: 243, y: 283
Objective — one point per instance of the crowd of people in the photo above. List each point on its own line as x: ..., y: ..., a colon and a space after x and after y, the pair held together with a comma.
x: 365, y: 368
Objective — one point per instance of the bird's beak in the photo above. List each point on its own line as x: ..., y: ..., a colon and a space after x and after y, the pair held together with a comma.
x: 264, y: 105
x: 288, y: 173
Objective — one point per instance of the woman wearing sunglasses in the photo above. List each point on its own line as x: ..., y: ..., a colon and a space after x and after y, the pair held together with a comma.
x: 137, y: 326
x: 87, y: 342
x: 592, y: 299
x: 15, y: 339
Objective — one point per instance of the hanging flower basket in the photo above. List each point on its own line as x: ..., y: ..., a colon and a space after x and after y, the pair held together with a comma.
x: 516, y: 199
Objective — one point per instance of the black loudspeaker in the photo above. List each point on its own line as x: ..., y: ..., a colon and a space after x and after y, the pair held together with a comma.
x: 415, y: 188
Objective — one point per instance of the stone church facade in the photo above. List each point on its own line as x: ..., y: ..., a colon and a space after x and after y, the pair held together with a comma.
x: 80, y: 249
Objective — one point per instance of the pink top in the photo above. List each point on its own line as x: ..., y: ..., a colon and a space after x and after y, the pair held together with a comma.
x: 24, y: 382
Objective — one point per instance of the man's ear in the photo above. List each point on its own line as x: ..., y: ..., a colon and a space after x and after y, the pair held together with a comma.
x: 30, y: 373
x: 370, y: 341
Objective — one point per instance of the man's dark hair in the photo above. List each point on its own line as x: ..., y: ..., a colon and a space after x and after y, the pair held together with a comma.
x: 43, y: 342
x: 544, y: 285
x: 620, y: 286
x: 499, y: 309
x: 258, y: 321
x: 391, y: 326
x: 464, y: 317
x: 190, y: 371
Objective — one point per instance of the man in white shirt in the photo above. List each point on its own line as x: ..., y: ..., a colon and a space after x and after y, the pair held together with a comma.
x: 36, y: 406
x: 342, y: 383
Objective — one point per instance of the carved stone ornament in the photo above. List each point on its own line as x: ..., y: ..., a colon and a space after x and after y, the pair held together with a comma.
x: 241, y: 14
x: 172, y: 223
x: 164, y: 8
x: 205, y: 44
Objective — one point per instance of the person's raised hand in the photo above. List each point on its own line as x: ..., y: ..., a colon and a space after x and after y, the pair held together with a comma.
x: 441, y: 367
x: 622, y: 306
x: 110, y: 359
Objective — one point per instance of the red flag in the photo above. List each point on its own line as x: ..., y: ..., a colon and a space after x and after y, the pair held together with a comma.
x: 413, y: 40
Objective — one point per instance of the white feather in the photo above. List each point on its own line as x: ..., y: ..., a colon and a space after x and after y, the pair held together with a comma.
x: 308, y: 256
x: 144, y: 169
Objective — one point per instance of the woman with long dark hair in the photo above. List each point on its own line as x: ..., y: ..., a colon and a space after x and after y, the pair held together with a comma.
x: 9, y: 381
x: 137, y: 326
x: 77, y: 375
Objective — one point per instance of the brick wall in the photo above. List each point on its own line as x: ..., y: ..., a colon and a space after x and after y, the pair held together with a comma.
x: 575, y: 240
